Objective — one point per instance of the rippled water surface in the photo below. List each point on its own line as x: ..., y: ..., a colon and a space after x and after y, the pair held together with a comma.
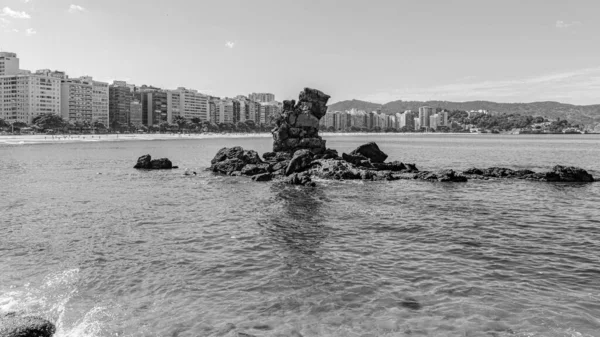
x: 105, y: 250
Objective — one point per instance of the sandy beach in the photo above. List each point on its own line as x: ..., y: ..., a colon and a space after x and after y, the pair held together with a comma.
x: 51, y: 139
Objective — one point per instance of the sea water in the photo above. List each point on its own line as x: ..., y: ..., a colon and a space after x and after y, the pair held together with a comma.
x: 102, y: 249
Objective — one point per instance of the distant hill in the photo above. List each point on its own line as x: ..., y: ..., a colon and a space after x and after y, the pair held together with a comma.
x: 356, y: 104
x: 576, y: 114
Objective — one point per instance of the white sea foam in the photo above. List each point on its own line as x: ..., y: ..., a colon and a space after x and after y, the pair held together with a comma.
x: 51, y: 300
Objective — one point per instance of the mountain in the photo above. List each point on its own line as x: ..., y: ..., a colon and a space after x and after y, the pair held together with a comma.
x: 576, y: 114
x: 356, y: 104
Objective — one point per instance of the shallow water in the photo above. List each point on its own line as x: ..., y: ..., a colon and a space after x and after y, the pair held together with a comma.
x: 105, y: 250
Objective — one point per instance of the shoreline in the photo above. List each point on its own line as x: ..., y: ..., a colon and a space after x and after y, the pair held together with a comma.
x: 56, y: 139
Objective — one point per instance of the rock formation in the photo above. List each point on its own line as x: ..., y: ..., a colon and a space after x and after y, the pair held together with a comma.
x: 298, y: 125
x: 299, y: 155
x: 146, y: 162
x: 558, y: 174
x: 14, y: 325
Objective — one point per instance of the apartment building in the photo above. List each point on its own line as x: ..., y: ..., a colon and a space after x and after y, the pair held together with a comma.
x: 85, y: 100
x: 120, y: 98
x: 9, y: 64
x: 261, y: 97
x: 135, y: 113
x: 24, y: 96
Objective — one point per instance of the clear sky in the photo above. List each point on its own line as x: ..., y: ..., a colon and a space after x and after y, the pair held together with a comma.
x: 500, y: 50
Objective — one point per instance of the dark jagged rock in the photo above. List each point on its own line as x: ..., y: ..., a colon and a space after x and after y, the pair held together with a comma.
x: 263, y: 177
x: 143, y: 162
x: 442, y: 176
x: 411, y: 167
x: 234, y: 159
x: 558, y: 174
x: 13, y: 325
x: 283, y: 156
x: 161, y: 164
x: 268, y: 156
x: 254, y: 169
x: 572, y: 174
x: 450, y: 176
x: 300, y: 161
x: 371, y: 151
x: 146, y: 162
x: 280, y: 165
x: 356, y: 159
x: 394, y: 166
x: 228, y: 166
x: 301, y: 178
x: 247, y: 156
x: 328, y: 154
x: 473, y: 170
x: 298, y: 125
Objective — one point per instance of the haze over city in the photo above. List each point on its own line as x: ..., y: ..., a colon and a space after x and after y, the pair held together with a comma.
x: 379, y: 51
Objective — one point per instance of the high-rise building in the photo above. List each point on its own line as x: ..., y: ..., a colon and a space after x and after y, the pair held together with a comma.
x: 135, y: 113
x: 407, y: 119
x: 244, y: 109
x: 187, y: 103
x: 261, y: 97
x: 84, y: 100
x: 76, y: 99
x: 424, y: 113
x: 341, y: 120
x: 214, y: 103
x: 9, y: 64
x: 434, y: 121
x: 119, y: 107
x: 417, y: 123
x: 226, y: 109
x: 254, y: 111
x: 154, y: 105
x: 25, y: 96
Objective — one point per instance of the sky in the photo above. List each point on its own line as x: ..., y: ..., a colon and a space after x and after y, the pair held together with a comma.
x: 376, y: 50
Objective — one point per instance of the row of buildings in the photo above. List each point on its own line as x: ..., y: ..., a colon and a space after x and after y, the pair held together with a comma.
x: 25, y: 95
x: 427, y: 117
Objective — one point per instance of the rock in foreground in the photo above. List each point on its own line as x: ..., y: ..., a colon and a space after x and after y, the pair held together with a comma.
x: 146, y: 162
x: 13, y: 325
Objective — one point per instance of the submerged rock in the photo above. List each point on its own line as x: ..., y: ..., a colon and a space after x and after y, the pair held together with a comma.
x: 302, y: 178
x: 558, y: 174
x: 263, y: 177
x: 13, y: 325
x: 146, y: 162
x: 410, y: 303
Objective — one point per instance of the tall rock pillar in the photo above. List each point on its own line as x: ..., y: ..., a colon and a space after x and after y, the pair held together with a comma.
x: 298, y: 125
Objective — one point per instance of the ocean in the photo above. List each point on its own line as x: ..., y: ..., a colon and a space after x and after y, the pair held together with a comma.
x: 102, y: 249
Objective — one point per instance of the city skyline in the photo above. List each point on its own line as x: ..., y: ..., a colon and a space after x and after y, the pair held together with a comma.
x: 383, y: 51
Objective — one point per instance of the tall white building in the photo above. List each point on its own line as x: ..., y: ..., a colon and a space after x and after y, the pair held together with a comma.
x: 84, y: 100
x: 187, y: 103
x: 100, y: 106
x: 24, y: 96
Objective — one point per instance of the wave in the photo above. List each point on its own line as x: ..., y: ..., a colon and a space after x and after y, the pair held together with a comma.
x: 51, y: 300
